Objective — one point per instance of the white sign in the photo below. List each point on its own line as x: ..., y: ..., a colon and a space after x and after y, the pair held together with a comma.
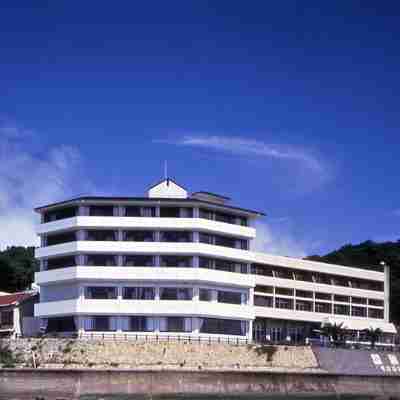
x: 376, y: 359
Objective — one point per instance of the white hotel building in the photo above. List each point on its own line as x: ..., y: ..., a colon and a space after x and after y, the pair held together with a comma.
x: 178, y: 264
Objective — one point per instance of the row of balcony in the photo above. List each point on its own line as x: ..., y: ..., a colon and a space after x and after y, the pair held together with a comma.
x: 143, y: 211
x: 142, y: 260
x: 318, y: 307
x: 105, y: 235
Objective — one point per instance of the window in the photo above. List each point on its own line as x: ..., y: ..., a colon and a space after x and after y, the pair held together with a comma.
x: 172, y: 293
x: 304, y: 276
x: 138, y: 236
x: 176, y: 236
x: 60, y: 262
x: 284, y: 291
x: 303, y: 305
x: 62, y: 213
x: 169, y: 212
x: 63, y: 324
x: 358, y: 300
x: 304, y: 293
x: 283, y: 273
x: 242, y: 221
x: 136, y: 211
x: 325, y: 308
x: 138, y: 293
x: 242, y: 244
x: 222, y: 326
x: 375, y: 302
x: 264, y: 289
x: 102, y: 235
x: 224, y: 265
x: 100, y: 292
x: 138, y: 261
x: 101, y: 211
x: 322, y: 278
x: 205, y: 238
x: 367, y: 285
x: 205, y: 295
x: 358, y: 311
x: 263, y: 301
x: 224, y: 241
x: 341, y: 309
x: 261, y: 269
x: 107, y: 260
x: 186, y: 212
x: 138, y: 324
x: 6, y: 318
x: 340, y: 281
x: 284, y: 303
x: 175, y: 324
x: 342, y: 299
x: 225, y: 296
x: 323, y: 296
x: 222, y: 217
x: 206, y: 214
x: 176, y: 261
x: 62, y: 238
x: 375, y: 313
x: 100, y: 324
x: 205, y: 262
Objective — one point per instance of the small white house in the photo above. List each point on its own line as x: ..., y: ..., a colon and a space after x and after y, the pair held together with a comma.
x: 17, y: 314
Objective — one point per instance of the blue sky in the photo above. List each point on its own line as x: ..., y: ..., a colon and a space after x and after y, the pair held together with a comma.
x: 290, y: 108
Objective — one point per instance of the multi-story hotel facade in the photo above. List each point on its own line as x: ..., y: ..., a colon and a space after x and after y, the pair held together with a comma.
x: 178, y: 264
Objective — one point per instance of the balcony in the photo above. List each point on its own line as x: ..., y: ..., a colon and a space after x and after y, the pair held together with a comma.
x: 143, y: 307
x: 145, y: 223
x: 110, y: 274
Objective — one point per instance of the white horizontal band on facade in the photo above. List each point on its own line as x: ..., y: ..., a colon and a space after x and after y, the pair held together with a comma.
x: 206, y: 250
x: 154, y: 223
x: 144, y: 274
x: 349, y: 322
x: 144, y: 307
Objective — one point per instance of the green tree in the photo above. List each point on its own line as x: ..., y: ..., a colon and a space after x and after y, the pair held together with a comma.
x: 373, y: 335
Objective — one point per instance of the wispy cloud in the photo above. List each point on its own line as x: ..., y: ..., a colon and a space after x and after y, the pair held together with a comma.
x: 303, y: 160
x: 31, y: 176
x: 283, y: 241
x: 397, y: 212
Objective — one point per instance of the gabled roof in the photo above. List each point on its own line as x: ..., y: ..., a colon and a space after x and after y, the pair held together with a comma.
x: 15, y: 298
x: 168, y: 180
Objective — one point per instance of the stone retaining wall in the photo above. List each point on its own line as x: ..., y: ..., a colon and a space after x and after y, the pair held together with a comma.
x: 62, y: 353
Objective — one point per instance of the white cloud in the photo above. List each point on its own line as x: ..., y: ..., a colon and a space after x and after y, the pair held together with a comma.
x: 29, y: 178
x: 278, y: 242
x: 304, y: 164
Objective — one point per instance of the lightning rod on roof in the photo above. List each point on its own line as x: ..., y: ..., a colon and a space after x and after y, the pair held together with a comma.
x: 165, y: 169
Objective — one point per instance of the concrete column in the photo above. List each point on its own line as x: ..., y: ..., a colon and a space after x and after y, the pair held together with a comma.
x: 195, y: 261
x: 195, y: 293
x: 195, y: 212
x: 251, y: 297
x: 250, y: 331
x: 386, y: 288
x: 195, y: 237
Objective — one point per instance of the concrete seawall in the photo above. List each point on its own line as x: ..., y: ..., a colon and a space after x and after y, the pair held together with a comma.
x: 27, y: 384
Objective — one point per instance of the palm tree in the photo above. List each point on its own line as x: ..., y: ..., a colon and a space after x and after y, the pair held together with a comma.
x: 333, y: 331
x: 373, y: 335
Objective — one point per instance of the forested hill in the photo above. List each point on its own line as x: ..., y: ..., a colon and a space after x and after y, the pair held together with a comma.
x: 368, y: 255
x: 17, y: 268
